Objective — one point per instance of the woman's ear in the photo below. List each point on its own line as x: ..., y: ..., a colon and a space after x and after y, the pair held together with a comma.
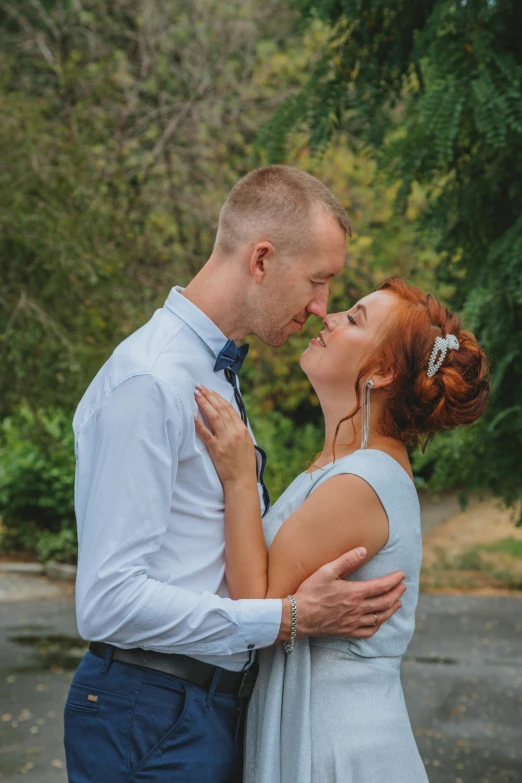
x: 383, y: 378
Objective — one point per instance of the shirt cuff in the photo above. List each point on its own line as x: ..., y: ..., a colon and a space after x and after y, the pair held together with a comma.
x: 260, y: 621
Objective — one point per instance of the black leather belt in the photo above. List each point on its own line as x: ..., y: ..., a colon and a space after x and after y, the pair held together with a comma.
x: 239, y: 684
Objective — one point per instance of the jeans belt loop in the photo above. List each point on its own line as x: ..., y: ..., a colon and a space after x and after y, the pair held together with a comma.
x: 213, y: 685
x: 107, y: 660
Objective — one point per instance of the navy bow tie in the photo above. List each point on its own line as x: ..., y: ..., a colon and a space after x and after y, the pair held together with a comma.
x: 231, y: 357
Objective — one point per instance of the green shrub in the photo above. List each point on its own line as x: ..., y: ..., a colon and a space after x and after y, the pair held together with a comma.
x: 37, y: 484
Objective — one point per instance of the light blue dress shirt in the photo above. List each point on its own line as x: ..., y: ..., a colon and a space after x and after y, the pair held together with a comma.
x: 150, y: 505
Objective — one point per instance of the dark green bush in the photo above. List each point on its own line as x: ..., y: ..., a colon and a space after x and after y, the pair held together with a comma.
x: 37, y: 485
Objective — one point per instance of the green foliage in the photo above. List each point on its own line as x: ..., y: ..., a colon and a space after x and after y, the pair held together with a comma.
x: 435, y: 89
x: 60, y: 547
x: 507, y: 546
x: 117, y: 158
x: 124, y: 125
x: 37, y: 484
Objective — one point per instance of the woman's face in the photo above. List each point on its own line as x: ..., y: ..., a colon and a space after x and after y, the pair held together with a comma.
x: 337, y: 353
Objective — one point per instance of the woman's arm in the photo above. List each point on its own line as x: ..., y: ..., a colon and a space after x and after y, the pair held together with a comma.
x: 340, y: 515
x: 232, y: 450
x: 246, y: 556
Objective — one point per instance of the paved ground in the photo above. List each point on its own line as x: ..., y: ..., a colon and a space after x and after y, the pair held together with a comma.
x: 462, y: 678
x: 463, y: 685
x: 33, y: 686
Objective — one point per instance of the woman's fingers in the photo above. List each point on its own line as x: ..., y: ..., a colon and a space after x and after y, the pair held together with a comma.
x: 203, y: 431
x: 227, y: 439
x: 227, y: 411
x: 211, y: 410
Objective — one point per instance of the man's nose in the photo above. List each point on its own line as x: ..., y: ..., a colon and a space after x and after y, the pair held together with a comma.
x: 319, y: 304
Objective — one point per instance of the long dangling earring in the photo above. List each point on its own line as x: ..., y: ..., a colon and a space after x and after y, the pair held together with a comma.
x: 367, y: 388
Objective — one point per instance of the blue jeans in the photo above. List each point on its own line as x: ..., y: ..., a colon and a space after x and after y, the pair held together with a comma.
x: 127, y: 724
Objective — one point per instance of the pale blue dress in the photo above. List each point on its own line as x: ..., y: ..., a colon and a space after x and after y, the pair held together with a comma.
x: 333, y: 711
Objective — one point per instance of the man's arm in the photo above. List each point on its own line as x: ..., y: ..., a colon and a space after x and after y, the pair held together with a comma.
x: 330, y: 606
x: 127, y: 457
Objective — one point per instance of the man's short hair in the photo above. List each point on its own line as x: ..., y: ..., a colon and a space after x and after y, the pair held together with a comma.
x: 276, y: 203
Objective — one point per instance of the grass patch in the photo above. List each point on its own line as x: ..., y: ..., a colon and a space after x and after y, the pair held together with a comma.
x: 507, y: 546
x: 485, y: 566
x: 463, y: 561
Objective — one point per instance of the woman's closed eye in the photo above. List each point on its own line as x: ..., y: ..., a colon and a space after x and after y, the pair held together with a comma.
x: 352, y: 320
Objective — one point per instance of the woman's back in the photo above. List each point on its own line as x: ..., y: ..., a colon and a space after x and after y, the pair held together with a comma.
x: 334, y: 709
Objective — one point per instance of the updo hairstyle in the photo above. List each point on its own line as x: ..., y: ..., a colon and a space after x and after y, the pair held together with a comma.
x: 418, y: 406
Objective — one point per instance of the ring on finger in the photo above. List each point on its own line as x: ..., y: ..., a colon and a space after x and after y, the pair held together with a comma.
x: 376, y: 619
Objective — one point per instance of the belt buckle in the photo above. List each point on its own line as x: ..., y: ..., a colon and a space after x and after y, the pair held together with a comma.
x: 247, y: 684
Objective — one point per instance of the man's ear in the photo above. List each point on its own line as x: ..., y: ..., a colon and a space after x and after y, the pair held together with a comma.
x: 262, y: 254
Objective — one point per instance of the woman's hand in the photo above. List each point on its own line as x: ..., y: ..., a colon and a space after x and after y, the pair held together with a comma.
x: 230, y: 444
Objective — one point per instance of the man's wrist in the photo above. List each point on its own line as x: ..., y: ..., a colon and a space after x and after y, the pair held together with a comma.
x: 285, y: 629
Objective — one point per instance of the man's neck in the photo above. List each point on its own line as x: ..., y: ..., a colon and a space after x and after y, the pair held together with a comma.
x: 216, y: 294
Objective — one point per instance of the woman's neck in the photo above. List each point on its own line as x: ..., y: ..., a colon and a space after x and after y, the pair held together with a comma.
x: 341, y: 440
x: 348, y: 435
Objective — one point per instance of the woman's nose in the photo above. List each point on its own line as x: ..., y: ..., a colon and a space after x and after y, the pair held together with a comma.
x: 329, y: 321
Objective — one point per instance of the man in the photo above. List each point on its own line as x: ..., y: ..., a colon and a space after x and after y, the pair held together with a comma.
x: 161, y: 695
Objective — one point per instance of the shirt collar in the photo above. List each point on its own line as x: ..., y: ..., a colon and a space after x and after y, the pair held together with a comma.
x: 196, y: 320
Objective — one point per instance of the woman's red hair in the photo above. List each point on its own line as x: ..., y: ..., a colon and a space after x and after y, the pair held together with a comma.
x: 417, y: 405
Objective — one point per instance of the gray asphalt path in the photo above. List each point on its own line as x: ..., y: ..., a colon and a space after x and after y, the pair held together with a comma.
x: 462, y: 679
x: 38, y: 650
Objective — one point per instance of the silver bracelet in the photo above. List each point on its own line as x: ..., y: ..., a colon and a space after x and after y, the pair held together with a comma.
x: 289, y: 646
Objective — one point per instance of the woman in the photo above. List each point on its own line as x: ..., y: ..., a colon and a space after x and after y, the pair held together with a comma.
x: 333, y: 710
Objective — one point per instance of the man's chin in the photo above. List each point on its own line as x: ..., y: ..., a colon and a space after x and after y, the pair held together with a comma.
x: 276, y: 341
x: 294, y: 327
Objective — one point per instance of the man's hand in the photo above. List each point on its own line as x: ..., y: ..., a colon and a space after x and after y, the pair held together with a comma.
x: 327, y: 605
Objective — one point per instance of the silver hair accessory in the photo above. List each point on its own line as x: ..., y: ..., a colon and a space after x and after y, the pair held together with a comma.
x: 441, y: 344
x: 367, y: 388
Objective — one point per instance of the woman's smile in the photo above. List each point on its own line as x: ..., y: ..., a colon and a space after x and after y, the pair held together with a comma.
x: 319, y: 340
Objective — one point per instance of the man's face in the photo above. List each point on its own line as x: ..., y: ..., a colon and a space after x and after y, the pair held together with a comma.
x: 299, y: 288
